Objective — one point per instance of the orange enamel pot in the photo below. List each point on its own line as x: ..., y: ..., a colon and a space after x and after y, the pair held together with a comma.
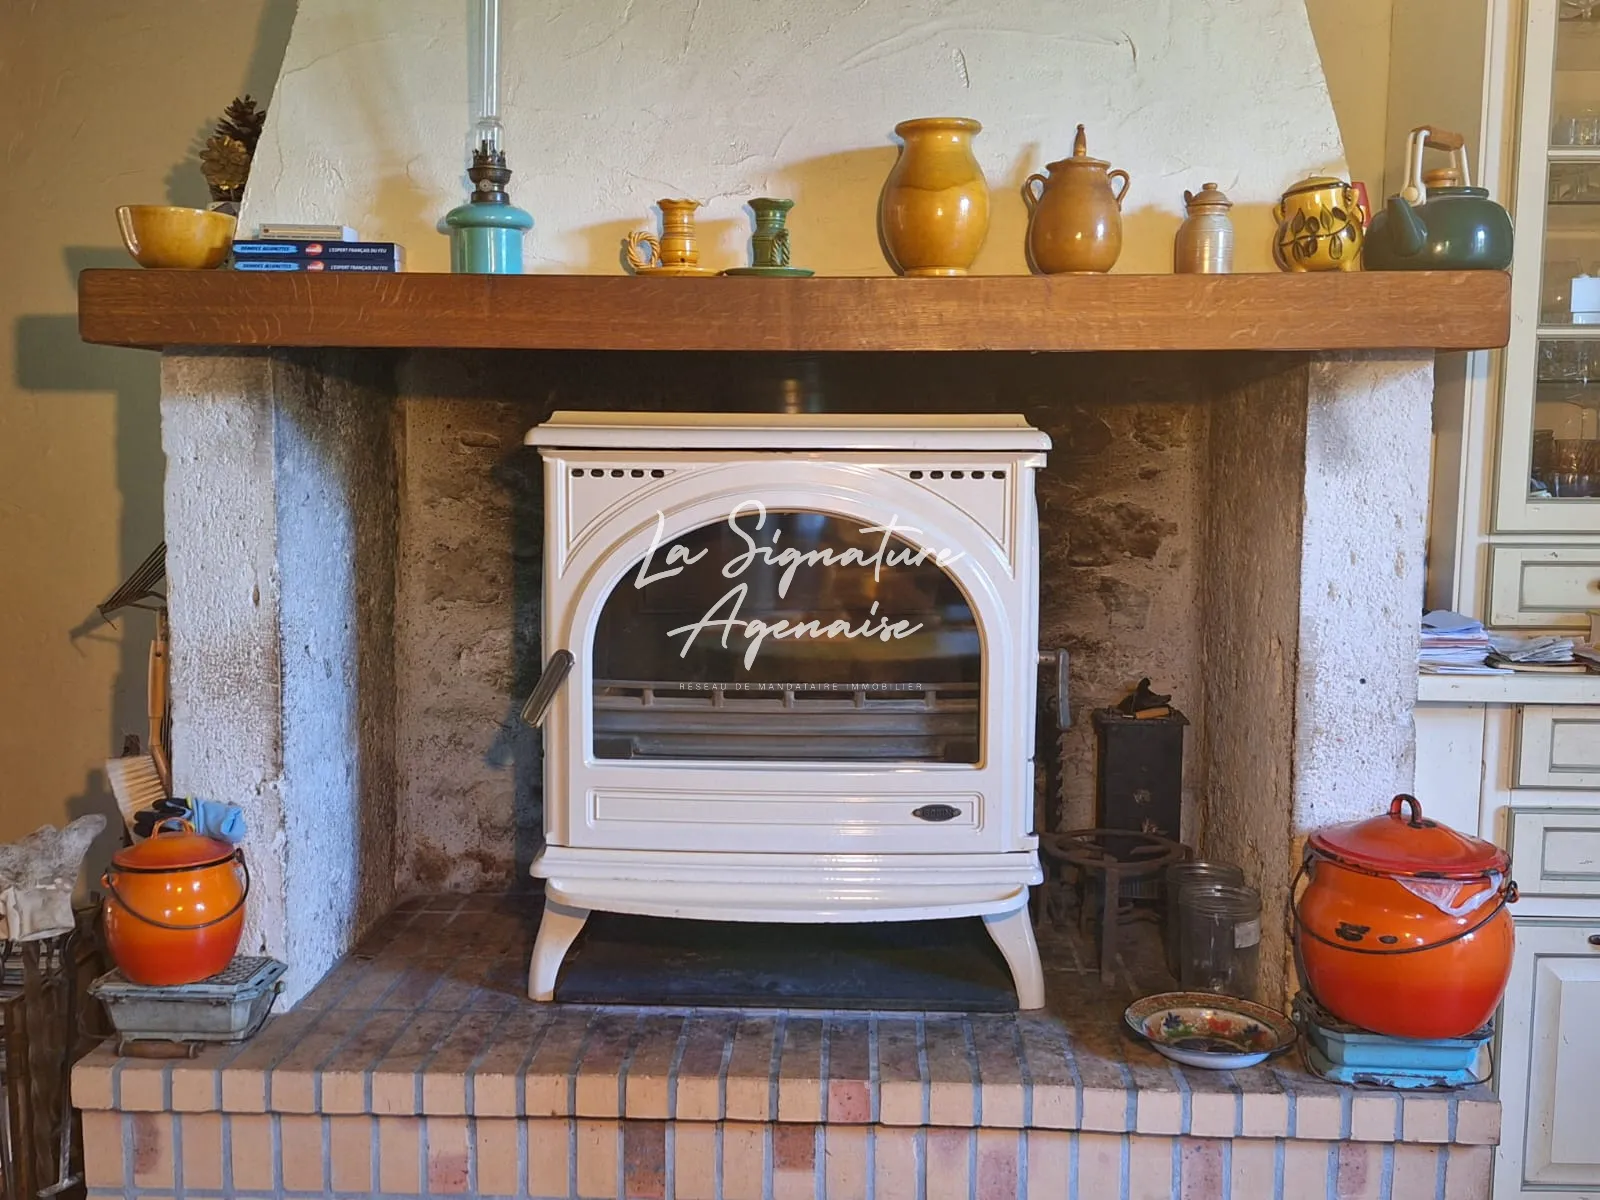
x: 1402, y: 928
x: 174, y: 907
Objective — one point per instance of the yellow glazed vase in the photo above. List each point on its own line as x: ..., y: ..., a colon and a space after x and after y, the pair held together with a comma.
x: 1075, y: 218
x: 1319, y: 227
x: 934, y: 211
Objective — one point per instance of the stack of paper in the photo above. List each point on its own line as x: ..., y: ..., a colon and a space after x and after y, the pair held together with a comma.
x: 1535, y: 653
x: 1454, y: 645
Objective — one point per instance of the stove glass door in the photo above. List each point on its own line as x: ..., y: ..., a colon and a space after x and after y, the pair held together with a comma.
x: 788, y: 637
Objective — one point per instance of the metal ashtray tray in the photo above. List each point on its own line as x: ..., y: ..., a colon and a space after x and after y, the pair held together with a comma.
x: 228, y: 1007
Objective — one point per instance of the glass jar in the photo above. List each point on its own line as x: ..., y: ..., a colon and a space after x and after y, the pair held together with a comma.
x: 1178, y: 876
x: 1220, y: 944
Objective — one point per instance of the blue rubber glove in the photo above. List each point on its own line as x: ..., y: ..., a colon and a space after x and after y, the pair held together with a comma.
x: 210, y: 818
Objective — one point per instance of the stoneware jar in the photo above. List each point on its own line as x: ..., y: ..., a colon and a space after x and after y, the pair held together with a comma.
x: 934, y: 212
x: 1204, y: 244
x: 1319, y: 226
x: 1075, y: 218
x: 174, y: 907
x: 1402, y: 928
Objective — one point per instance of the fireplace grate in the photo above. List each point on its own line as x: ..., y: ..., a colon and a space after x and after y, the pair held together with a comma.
x: 880, y: 721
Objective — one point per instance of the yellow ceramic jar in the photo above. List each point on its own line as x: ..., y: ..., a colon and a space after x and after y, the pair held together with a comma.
x: 1319, y: 227
x: 934, y: 212
x: 1075, y: 218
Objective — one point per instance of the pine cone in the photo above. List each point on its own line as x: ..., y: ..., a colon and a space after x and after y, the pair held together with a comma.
x: 225, y: 162
x: 242, y: 121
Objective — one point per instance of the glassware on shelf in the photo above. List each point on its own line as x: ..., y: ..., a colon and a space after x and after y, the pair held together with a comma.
x: 1179, y: 876
x: 1555, y: 304
x: 1220, y: 939
x: 1563, y: 360
x: 1575, y: 471
x: 1581, y: 128
x: 1574, y: 183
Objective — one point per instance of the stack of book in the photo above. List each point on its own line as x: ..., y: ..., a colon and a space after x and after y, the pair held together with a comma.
x: 315, y: 248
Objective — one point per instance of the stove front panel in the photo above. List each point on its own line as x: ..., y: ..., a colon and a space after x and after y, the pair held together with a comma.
x: 808, y: 652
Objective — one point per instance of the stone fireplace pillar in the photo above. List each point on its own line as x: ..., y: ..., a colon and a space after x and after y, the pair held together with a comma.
x: 1312, y: 591
x: 281, y: 516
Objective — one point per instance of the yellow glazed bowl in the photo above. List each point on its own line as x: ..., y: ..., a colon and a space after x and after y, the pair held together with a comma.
x: 163, y: 235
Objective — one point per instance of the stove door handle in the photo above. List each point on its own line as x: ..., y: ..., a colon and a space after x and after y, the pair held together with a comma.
x: 544, y: 692
x: 1058, y: 660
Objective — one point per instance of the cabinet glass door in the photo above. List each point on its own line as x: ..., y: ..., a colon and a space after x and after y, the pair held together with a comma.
x: 1549, y: 471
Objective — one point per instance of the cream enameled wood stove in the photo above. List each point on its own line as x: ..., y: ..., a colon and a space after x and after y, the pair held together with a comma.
x: 803, y: 672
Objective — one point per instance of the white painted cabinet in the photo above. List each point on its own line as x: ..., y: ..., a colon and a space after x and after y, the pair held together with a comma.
x: 1550, y: 1037
x: 1518, y: 773
x: 1558, y: 746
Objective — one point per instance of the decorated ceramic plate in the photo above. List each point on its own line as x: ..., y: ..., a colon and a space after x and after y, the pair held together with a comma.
x: 1200, y: 1029
x: 679, y: 272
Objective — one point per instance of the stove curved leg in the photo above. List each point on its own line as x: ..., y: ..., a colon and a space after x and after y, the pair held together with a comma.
x: 1013, y: 934
x: 557, y: 931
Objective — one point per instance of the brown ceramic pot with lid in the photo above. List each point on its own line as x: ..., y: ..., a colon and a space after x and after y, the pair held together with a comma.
x: 1075, y: 218
x: 174, y: 907
x: 1402, y: 928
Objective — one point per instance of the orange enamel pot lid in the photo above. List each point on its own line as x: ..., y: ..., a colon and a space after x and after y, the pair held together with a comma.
x: 1404, y: 842
x: 173, y: 850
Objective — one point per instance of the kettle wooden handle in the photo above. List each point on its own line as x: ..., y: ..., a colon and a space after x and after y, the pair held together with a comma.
x: 1443, y: 139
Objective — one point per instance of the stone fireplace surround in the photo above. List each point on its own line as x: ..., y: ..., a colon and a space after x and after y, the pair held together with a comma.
x: 354, y: 554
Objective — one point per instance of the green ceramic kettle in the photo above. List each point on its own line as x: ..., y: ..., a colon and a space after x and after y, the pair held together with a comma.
x: 1452, y: 228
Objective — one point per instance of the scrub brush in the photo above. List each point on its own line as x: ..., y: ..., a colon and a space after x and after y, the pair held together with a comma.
x: 136, y: 783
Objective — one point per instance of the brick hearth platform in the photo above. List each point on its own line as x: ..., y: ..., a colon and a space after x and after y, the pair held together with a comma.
x: 418, y: 1067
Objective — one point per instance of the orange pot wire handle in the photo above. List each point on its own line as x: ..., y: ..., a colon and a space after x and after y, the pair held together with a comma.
x: 237, y: 858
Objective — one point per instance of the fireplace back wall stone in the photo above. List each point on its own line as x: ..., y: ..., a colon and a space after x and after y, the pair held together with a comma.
x: 1122, y: 517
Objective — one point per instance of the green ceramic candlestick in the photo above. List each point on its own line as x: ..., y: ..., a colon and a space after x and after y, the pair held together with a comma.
x: 769, y: 244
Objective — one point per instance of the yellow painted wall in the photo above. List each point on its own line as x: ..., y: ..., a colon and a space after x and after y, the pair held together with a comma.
x: 1353, y: 39
x: 102, y: 102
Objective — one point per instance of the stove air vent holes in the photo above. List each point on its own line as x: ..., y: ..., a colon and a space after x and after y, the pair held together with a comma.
x: 986, y: 494
x: 595, y: 490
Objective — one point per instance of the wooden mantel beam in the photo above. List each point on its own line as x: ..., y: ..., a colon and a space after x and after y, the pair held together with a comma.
x: 1462, y: 310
